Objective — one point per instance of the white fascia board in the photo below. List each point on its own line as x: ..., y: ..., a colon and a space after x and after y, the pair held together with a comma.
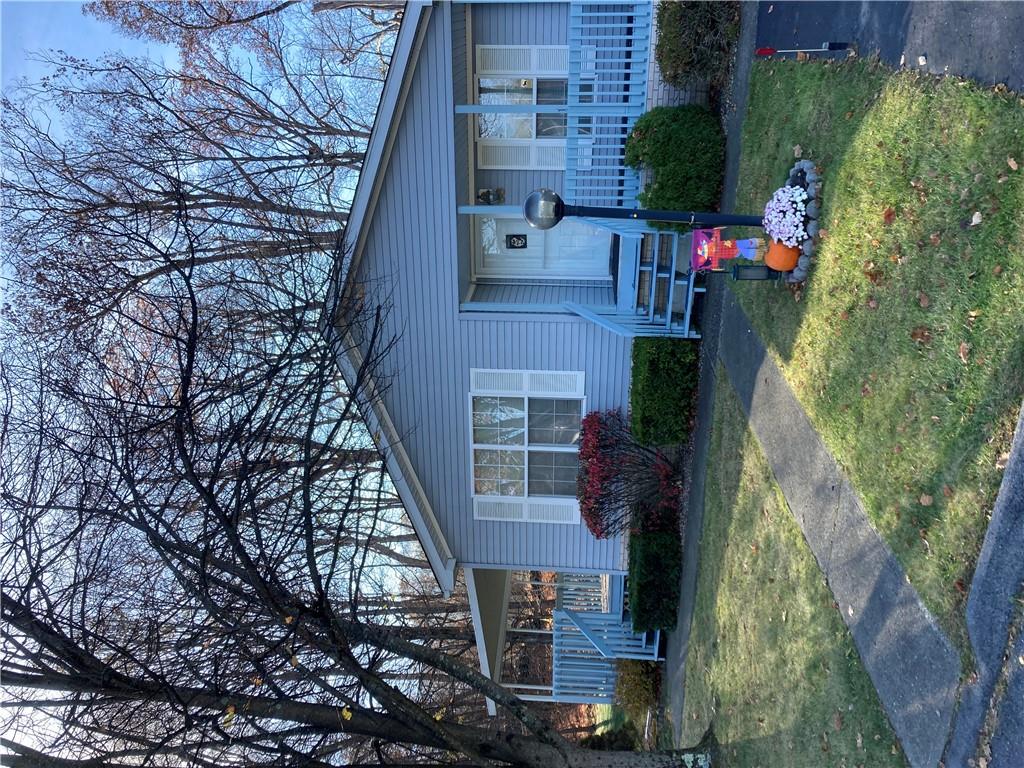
x: 399, y: 467
x: 382, y: 138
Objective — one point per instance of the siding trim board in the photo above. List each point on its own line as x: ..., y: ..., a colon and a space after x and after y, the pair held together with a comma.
x: 400, y: 469
x: 397, y: 83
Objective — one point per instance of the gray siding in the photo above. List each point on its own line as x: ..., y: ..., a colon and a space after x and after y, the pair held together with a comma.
x: 410, y: 260
x: 544, y: 293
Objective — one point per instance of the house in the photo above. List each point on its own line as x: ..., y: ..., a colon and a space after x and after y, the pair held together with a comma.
x: 506, y: 335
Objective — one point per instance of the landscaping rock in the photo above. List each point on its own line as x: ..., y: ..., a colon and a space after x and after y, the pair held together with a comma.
x: 808, y: 247
x: 804, y: 262
x: 812, y: 229
x: 812, y: 210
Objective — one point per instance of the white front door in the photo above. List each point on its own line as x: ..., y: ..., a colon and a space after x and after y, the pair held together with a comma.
x: 511, y: 248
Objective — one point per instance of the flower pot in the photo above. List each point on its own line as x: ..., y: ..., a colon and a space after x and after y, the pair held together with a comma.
x: 781, y: 258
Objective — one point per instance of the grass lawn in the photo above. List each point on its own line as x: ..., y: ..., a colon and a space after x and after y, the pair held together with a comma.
x: 907, y: 346
x: 771, y: 664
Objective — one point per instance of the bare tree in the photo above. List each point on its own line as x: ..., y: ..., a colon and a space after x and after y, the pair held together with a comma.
x: 165, y: 595
x: 197, y: 27
x: 200, y: 542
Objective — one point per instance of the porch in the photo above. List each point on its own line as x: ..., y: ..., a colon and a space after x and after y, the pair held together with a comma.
x: 585, y: 633
x: 564, y: 126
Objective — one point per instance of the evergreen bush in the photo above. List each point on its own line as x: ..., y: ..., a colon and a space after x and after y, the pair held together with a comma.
x: 655, y: 562
x: 684, y: 149
x: 661, y: 397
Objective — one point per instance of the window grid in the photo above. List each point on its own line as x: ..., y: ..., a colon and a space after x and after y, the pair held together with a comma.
x: 561, y: 407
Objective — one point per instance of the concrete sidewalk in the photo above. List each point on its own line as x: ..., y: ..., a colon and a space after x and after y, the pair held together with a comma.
x: 913, y: 666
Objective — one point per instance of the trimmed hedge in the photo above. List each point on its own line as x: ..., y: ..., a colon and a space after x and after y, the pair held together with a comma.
x: 684, y: 148
x: 655, y: 563
x: 661, y: 397
x: 695, y: 40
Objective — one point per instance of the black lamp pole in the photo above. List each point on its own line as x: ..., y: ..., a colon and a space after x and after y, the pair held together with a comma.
x: 543, y: 209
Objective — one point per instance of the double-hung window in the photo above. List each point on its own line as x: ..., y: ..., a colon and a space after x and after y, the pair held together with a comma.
x: 525, y: 428
x: 535, y: 76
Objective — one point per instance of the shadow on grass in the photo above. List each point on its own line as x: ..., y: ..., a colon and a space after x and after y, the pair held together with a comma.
x: 914, y: 421
x: 772, y: 142
x: 769, y: 688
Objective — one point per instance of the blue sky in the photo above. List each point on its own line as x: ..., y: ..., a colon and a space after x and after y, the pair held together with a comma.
x: 32, y: 26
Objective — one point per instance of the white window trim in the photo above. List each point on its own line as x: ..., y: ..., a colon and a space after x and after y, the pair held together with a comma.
x: 529, y: 503
x: 535, y: 143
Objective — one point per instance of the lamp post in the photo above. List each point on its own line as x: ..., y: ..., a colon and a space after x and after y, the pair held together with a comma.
x: 543, y: 209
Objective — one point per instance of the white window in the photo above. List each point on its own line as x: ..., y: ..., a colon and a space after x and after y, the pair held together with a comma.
x: 524, y: 433
x: 512, y: 74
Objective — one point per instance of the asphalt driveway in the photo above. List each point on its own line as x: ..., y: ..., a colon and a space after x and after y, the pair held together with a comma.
x: 980, y: 40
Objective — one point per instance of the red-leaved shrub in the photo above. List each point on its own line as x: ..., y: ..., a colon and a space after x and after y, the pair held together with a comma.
x: 620, y: 477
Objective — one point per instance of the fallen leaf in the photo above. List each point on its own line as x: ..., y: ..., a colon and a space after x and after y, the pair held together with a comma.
x: 997, y: 270
x: 897, y: 449
x: 849, y: 115
x: 872, y: 273
x: 872, y: 302
x: 289, y: 619
x: 926, y: 500
x: 1012, y: 163
x: 947, y: 491
x: 802, y: 56
x: 959, y: 584
x: 888, y: 215
x: 865, y: 391
x: 798, y: 151
x: 921, y: 334
x: 963, y: 351
x: 822, y: 234
x: 1002, y: 178
x: 837, y: 720
x: 976, y: 219
x: 935, y: 238
x: 844, y: 315
x: 1002, y: 461
x: 923, y: 300
x: 860, y: 741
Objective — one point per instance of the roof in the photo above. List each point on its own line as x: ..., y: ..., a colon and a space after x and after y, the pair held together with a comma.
x: 378, y: 151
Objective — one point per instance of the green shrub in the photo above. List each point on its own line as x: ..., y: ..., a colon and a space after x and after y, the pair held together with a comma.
x: 637, y: 687
x: 623, y: 738
x: 684, y: 148
x: 655, y: 562
x: 661, y: 397
x: 695, y: 39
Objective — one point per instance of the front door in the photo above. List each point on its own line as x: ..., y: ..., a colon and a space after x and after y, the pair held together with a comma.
x: 508, y: 247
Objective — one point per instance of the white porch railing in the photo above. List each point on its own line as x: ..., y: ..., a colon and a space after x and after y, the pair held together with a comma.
x: 609, y: 53
x: 586, y: 646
